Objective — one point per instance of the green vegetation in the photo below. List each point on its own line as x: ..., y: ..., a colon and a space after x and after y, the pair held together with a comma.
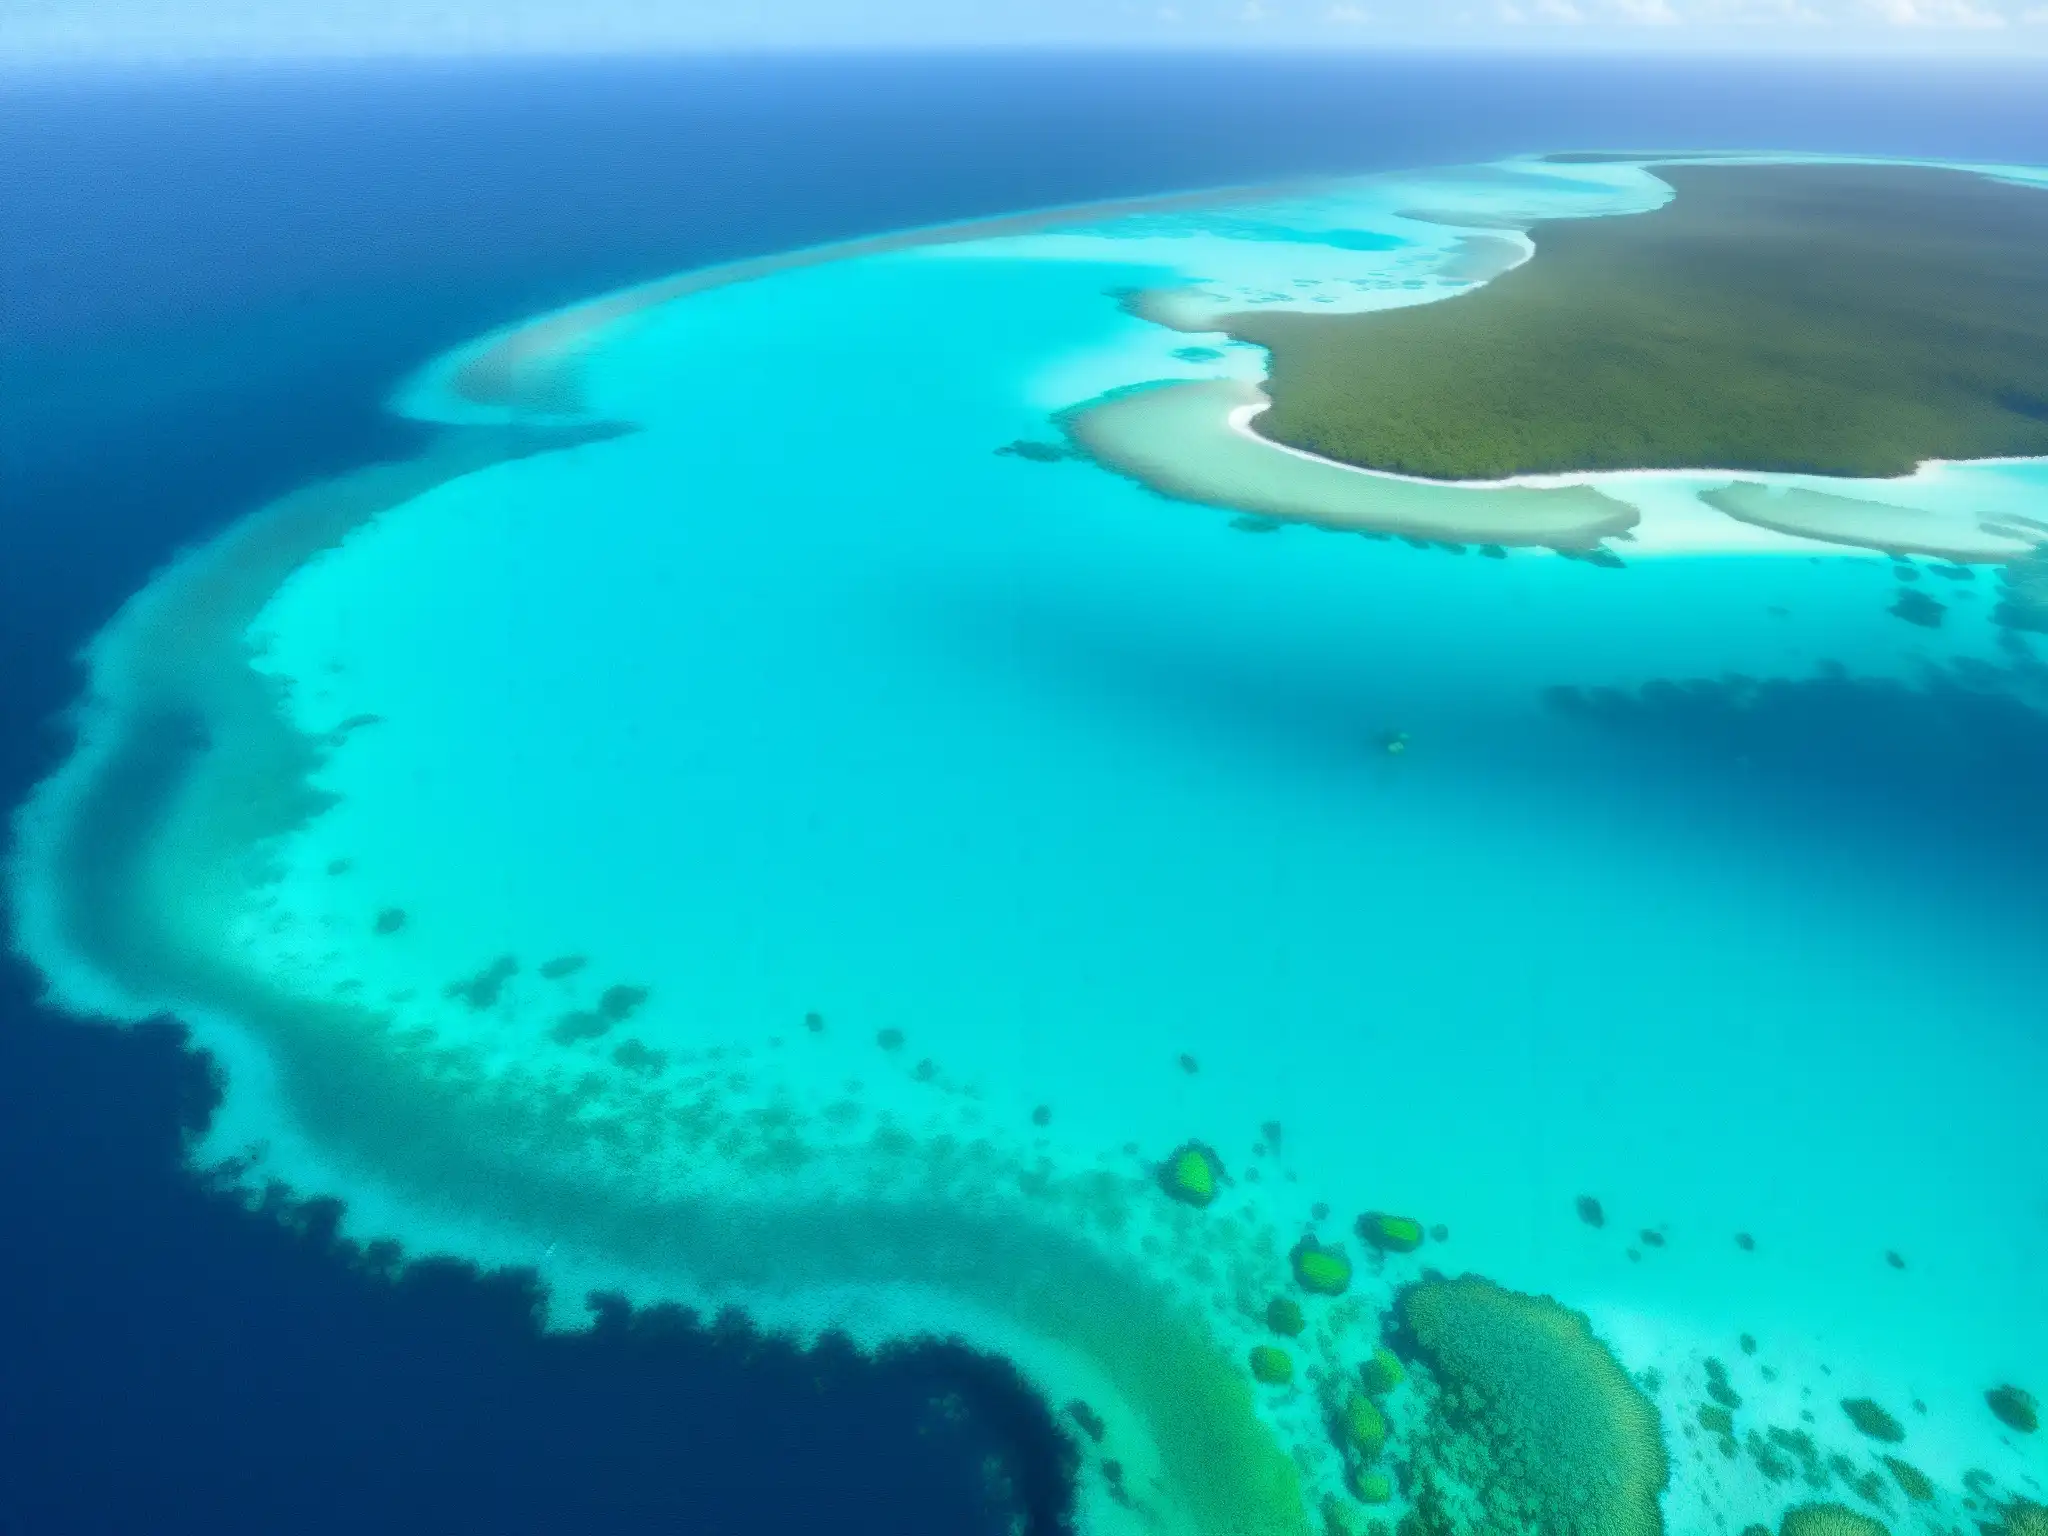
x: 1274, y: 1367
x: 1532, y: 1413
x: 1873, y: 1420
x: 1325, y: 1271
x: 2015, y: 1407
x: 1837, y: 319
x: 1192, y: 1175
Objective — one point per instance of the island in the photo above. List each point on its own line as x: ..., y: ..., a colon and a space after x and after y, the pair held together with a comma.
x: 1842, y: 319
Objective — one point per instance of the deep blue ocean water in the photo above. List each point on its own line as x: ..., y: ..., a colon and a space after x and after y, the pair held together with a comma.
x: 210, y: 282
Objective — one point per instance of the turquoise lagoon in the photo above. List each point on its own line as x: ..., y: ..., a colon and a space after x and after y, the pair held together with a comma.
x: 719, y: 829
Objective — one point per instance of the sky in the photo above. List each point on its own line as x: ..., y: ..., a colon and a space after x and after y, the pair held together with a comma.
x: 32, y: 30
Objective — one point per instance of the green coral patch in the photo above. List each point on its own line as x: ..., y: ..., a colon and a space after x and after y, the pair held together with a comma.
x: 1532, y: 1413
x: 1372, y: 1486
x: 1383, y: 1372
x: 1364, y: 1427
x: 1322, y: 1270
x: 1192, y: 1174
x: 1274, y: 1367
x: 1829, y: 1520
x: 1390, y: 1234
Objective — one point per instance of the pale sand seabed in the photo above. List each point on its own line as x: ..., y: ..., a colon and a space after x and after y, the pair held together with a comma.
x: 800, y: 698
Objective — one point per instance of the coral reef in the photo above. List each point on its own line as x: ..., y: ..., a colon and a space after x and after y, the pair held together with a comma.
x: 481, y: 990
x: 2023, y: 593
x: 2015, y: 1407
x: 1371, y: 1485
x: 1590, y: 1212
x: 1380, y: 1374
x: 1322, y: 1270
x: 1274, y: 1367
x: 2023, y: 1517
x: 1192, y: 1174
x: 1388, y: 1233
x: 1873, y: 1420
x: 1362, y: 1427
x: 1913, y: 1483
x: 1829, y: 1520
x: 1531, y: 1413
x: 1283, y: 1316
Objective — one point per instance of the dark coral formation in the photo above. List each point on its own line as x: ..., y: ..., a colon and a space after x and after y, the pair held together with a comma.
x: 1089, y: 1420
x: 1873, y: 1420
x: 1916, y: 607
x: 1283, y: 1316
x: 561, y: 966
x: 1913, y: 1483
x: 1034, y: 451
x: 2023, y: 593
x: 1590, y: 1212
x: 389, y: 921
x: 2015, y: 1407
x: 1530, y: 1415
x: 1717, y: 1385
x: 481, y: 991
x: 621, y: 1002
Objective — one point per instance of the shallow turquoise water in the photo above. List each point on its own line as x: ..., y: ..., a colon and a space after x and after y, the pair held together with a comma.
x: 802, y: 698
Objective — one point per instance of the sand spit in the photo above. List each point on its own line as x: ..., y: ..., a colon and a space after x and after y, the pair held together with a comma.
x: 1866, y: 524
x: 1179, y: 439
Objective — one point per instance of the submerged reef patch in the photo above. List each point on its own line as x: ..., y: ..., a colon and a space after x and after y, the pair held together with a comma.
x: 1390, y: 1234
x: 1192, y: 1174
x: 1873, y: 1419
x: 1829, y: 1520
x: 1533, y: 1424
x: 2015, y: 1407
x: 1319, y: 1268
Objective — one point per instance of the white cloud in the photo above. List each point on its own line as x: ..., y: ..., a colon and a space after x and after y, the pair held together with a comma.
x: 43, y: 29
